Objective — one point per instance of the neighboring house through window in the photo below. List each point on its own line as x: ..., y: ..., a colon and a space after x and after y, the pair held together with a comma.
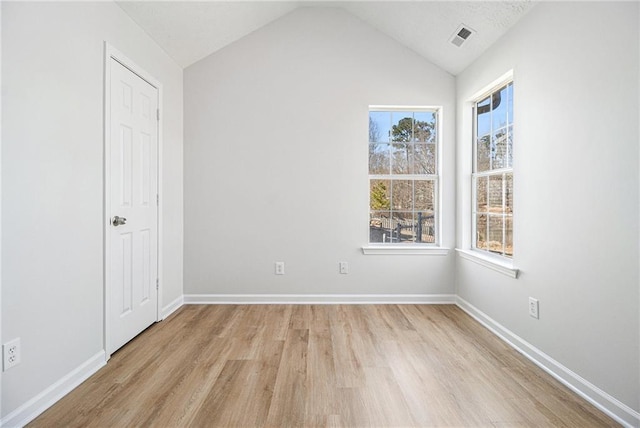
x: 403, y: 175
x: 492, y: 176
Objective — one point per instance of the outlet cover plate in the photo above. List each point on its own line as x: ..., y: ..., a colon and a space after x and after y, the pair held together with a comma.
x: 11, y: 354
x: 344, y: 267
x: 534, y: 308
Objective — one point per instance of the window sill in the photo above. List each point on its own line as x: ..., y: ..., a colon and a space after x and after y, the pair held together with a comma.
x: 408, y: 249
x: 502, y: 266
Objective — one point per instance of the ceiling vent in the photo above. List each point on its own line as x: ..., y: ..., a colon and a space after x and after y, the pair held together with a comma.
x: 461, y: 35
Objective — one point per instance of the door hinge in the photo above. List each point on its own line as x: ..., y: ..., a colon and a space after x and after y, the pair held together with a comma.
x: 157, y: 283
x: 158, y: 114
x: 157, y: 199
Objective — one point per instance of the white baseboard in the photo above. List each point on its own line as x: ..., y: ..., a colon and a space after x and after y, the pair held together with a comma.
x: 319, y: 299
x: 172, y: 307
x: 41, y: 402
x: 600, y: 399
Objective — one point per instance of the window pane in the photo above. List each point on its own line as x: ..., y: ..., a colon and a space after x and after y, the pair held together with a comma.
x: 499, y: 149
x: 402, y: 195
x: 380, y: 226
x: 402, y: 126
x: 510, y: 147
x: 508, y: 193
x: 379, y: 158
x: 425, y: 227
x: 404, y: 227
x: 379, y: 126
x: 400, y: 158
x: 495, y: 234
x: 481, y: 231
x: 496, y: 202
x: 379, y: 195
x: 510, y: 103
x: 424, y: 126
x: 481, y: 194
x: 499, y: 108
x: 483, y: 117
x: 424, y: 159
x: 482, y: 154
x: 508, y: 239
x: 424, y: 195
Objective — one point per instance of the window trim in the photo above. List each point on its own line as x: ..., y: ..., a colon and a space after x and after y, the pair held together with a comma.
x: 406, y: 249
x: 492, y: 261
x: 506, y: 266
x: 421, y: 248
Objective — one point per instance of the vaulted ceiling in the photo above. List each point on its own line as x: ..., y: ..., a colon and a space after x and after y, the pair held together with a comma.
x: 191, y: 30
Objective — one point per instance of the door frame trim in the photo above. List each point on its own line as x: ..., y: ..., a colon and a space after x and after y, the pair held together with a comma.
x: 111, y: 53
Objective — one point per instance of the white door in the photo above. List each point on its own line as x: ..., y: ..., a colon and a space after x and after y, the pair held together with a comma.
x: 133, y: 217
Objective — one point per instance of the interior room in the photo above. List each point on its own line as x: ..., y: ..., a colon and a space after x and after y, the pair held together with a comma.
x: 260, y: 188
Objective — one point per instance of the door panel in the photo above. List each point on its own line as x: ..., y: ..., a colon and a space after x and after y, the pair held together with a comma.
x: 133, y: 177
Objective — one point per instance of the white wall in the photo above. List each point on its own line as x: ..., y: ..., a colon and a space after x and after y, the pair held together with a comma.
x: 576, y: 189
x: 276, y: 158
x: 275, y: 139
x: 52, y: 177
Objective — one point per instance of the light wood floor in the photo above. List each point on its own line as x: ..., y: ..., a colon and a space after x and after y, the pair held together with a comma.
x: 320, y: 365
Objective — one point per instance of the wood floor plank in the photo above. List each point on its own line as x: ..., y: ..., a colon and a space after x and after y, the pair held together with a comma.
x: 290, y: 389
x: 320, y: 366
x: 320, y: 405
x: 347, y: 361
x: 384, y: 400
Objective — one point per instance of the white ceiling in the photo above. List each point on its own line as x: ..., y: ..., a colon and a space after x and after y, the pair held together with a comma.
x: 191, y: 30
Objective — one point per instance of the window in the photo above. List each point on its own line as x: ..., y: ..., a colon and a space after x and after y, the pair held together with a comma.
x: 492, y: 175
x: 403, y: 175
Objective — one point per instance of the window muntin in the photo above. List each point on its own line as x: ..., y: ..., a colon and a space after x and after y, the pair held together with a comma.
x: 403, y: 175
x: 493, y: 172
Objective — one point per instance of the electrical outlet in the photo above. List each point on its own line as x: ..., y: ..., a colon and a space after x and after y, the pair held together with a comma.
x: 344, y: 267
x: 534, y: 308
x: 279, y: 268
x: 11, y: 354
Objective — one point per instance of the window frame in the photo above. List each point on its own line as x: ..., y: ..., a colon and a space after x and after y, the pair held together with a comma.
x: 432, y: 248
x: 501, y: 259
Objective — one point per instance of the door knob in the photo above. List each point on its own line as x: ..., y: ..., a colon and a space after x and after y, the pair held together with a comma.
x: 117, y: 221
